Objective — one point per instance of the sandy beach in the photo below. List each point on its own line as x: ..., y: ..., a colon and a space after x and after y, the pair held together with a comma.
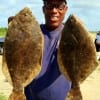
x: 90, y: 87
x: 5, y: 87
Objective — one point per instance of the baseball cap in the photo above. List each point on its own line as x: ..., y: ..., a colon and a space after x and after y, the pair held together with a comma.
x: 54, y: 0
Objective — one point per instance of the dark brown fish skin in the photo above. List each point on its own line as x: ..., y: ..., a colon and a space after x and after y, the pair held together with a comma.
x: 22, y: 50
x: 76, y: 55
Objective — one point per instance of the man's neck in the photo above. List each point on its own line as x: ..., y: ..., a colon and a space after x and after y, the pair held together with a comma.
x: 50, y: 28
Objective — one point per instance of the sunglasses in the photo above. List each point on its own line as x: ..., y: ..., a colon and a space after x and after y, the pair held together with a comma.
x: 59, y: 6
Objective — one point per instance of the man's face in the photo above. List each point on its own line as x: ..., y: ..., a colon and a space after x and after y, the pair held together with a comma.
x: 54, y: 12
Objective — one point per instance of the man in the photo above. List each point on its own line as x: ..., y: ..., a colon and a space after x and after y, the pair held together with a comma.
x: 97, y: 45
x: 97, y: 42
x: 50, y: 84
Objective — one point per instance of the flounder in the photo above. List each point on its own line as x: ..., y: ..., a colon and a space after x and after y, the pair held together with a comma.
x: 22, y: 52
x: 76, y: 55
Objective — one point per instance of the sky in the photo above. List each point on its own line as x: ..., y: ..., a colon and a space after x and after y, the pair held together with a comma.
x: 87, y: 10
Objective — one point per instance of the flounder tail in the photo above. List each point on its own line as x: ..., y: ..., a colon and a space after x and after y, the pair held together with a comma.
x: 17, y: 96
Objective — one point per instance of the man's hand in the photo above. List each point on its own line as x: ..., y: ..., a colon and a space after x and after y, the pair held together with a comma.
x: 10, y: 19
